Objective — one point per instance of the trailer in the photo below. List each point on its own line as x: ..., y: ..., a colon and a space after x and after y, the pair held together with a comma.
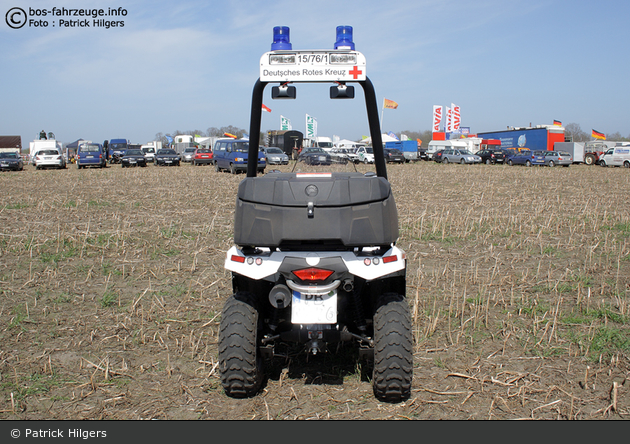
x: 576, y: 149
x: 539, y: 138
x: 290, y: 141
x: 409, y: 148
x: 11, y: 143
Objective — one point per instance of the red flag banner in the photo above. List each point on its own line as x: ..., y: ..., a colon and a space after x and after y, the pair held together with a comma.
x: 266, y: 108
x: 557, y: 123
x: 598, y: 135
x: 390, y: 104
x: 437, y: 118
x: 230, y: 135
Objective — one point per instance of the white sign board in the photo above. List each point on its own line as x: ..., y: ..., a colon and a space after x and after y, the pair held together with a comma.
x: 312, y: 66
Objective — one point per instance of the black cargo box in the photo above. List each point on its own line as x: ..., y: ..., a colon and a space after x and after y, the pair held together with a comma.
x: 329, y: 210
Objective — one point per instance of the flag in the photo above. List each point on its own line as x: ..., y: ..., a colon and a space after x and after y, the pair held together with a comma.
x: 311, y: 127
x: 419, y: 142
x: 230, y: 135
x: 389, y: 104
x: 169, y: 139
x: 437, y: 118
x: 404, y: 137
x: 455, y: 116
x: 285, y: 124
x: 391, y: 134
x: 449, y: 120
x: 266, y: 108
x: 598, y: 135
x: 557, y: 123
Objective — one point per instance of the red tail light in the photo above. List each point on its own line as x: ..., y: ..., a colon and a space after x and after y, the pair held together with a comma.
x: 388, y: 259
x: 313, y: 274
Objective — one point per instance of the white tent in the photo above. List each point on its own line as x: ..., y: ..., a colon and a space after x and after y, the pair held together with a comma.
x: 346, y: 142
x: 385, y: 138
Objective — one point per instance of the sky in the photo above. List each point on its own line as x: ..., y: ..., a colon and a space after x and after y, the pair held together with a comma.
x: 192, y: 65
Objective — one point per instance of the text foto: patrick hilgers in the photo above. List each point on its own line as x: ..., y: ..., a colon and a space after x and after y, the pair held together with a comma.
x: 85, y: 23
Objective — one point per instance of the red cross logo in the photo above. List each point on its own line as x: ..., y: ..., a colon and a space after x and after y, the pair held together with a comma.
x: 355, y: 72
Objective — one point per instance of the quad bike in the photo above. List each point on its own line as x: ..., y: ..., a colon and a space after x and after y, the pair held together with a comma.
x: 315, y: 261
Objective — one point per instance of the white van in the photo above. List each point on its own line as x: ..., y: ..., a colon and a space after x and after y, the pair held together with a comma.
x: 438, y: 145
x: 616, y: 156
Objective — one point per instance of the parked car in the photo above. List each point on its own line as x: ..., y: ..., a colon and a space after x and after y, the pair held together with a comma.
x: 166, y: 157
x: 133, y: 157
x: 365, y: 154
x: 342, y: 155
x: 149, y: 153
x: 49, y: 159
x: 315, y: 156
x: 188, y: 154
x: 538, y: 157
x: 231, y: 155
x: 490, y: 157
x: 203, y: 156
x: 437, y: 155
x: 452, y: 155
x: 91, y: 155
x: 275, y: 156
x: 11, y: 160
x: 393, y: 155
x: 518, y: 157
x: 553, y: 158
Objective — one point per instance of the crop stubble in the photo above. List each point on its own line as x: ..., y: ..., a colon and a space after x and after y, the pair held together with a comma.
x: 112, y: 285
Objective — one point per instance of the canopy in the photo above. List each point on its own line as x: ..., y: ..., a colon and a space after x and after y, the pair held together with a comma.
x: 385, y: 138
x: 75, y: 144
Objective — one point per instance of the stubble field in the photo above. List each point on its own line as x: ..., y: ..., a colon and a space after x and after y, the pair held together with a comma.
x: 112, y: 285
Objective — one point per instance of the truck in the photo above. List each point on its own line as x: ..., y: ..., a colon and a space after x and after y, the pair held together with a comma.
x: 11, y: 143
x: 182, y: 142
x: 150, y: 148
x: 43, y: 144
x: 289, y: 141
x: 590, y: 152
x: 409, y: 148
x: 115, y: 149
x: 538, y: 138
x: 326, y: 143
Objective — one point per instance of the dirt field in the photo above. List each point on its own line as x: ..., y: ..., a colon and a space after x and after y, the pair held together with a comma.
x: 112, y: 285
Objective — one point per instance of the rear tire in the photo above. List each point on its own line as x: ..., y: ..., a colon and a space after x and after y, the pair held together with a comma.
x: 445, y: 160
x: 589, y: 159
x: 393, y: 349
x: 528, y: 163
x: 552, y: 163
x: 626, y: 164
x: 240, y: 363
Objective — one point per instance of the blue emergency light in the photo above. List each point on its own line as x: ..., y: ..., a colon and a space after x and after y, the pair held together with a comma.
x: 344, y: 38
x: 281, y: 38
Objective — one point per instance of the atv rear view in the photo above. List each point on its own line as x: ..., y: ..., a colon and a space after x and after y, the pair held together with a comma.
x: 315, y: 261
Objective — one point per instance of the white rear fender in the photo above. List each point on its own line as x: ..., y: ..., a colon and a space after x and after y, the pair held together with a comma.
x: 264, y: 264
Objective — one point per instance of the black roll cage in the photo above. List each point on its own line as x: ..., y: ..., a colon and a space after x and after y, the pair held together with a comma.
x: 372, y: 114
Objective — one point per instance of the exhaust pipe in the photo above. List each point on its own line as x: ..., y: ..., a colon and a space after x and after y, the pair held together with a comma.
x: 280, y: 296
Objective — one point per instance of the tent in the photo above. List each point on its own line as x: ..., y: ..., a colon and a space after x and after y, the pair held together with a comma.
x: 385, y: 137
x: 74, y: 145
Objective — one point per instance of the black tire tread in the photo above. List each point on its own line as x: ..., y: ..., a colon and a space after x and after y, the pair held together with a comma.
x: 240, y: 366
x: 393, y: 349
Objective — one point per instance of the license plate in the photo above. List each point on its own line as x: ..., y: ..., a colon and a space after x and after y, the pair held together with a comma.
x: 4, y: 164
x: 314, y: 308
x: 168, y: 161
x: 132, y: 161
